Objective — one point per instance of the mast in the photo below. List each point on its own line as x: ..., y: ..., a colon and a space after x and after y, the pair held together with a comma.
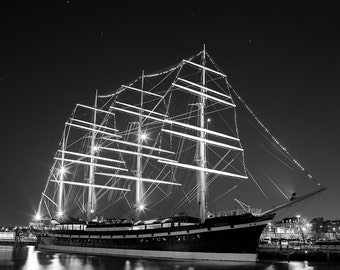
x: 202, y: 147
x: 61, y: 177
x: 91, y: 179
x: 139, y: 169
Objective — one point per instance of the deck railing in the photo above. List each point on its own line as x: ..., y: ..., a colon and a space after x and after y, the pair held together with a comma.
x: 235, y: 212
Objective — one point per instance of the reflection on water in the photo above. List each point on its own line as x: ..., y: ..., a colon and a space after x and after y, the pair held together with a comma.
x: 29, y: 258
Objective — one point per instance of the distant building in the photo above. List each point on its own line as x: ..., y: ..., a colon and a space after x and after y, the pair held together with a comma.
x: 290, y: 228
x: 329, y: 229
x: 299, y: 227
x: 287, y: 225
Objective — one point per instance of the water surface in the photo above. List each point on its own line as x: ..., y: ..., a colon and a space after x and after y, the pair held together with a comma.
x: 30, y: 258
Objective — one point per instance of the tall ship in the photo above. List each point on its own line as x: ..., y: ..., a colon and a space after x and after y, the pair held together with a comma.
x: 150, y: 169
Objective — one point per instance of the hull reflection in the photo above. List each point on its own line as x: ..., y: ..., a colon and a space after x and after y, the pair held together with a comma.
x: 30, y: 258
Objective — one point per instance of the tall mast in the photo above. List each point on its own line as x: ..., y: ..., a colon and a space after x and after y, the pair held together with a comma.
x: 202, y: 147
x: 61, y: 178
x: 91, y: 180
x: 139, y: 184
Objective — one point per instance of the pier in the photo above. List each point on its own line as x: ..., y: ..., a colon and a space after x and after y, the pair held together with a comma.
x: 327, y: 251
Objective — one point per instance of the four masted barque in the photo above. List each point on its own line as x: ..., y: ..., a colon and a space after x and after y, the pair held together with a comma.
x: 132, y: 151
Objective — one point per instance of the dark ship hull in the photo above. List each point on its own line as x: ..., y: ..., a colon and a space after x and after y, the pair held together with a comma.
x: 221, y: 238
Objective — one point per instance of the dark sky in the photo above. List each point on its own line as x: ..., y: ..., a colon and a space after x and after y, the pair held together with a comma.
x: 282, y: 58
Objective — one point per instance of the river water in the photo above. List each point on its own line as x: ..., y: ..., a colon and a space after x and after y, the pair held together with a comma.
x: 29, y: 258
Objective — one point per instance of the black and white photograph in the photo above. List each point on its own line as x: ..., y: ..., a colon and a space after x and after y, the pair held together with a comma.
x: 182, y: 135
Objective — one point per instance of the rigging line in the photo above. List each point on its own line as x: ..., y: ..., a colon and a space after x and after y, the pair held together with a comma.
x: 180, y: 66
x: 240, y: 143
x: 186, y: 149
x: 167, y: 91
x: 79, y: 204
x: 225, y: 193
x: 275, y: 184
x: 105, y: 102
x: 151, y: 152
x: 215, y: 177
x: 274, y: 139
x: 284, y: 154
x: 229, y: 163
x: 188, y: 195
x: 217, y: 67
x: 134, y: 130
x: 172, y: 67
x: 186, y: 200
x: 127, y: 201
x: 117, y: 91
x: 159, y: 201
x: 179, y: 150
x: 51, y: 174
x: 191, y: 195
x: 276, y: 157
x: 156, y: 186
x: 110, y: 204
x: 48, y: 210
x: 100, y: 193
x: 147, y: 193
x: 231, y: 129
x: 270, y: 141
x: 214, y: 81
x: 76, y: 141
x: 259, y: 187
x: 184, y: 117
x: 161, y: 81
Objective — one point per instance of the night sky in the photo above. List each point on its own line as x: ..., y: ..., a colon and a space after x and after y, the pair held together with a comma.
x: 282, y: 58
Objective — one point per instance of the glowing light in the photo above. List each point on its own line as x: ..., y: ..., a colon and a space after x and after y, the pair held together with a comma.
x: 37, y: 216
x: 92, y: 211
x: 209, y: 120
x: 60, y: 213
x: 143, y: 136
x: 141, y: 207
x: 96, y: 148
x: 62, y: 170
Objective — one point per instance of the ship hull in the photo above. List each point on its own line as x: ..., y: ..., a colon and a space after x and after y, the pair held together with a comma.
x: 217, y: 240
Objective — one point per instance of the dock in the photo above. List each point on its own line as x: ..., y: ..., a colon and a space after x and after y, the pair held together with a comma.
x: 322, y: 252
